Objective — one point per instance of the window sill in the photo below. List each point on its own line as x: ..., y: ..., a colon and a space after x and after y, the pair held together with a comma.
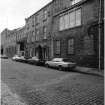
x: 71, y: 28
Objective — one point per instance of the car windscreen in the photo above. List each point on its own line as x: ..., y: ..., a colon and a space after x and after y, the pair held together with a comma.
x: 35, y: 58
x: 57, y: 59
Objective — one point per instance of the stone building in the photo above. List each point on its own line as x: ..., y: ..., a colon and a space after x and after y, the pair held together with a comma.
x: 3, y: 40
x: 13, y: 41
x: 8, y: 42
x: 63, y: 28
x: 76, y: 33
x: 30, y: 33
x: 38, y: 31
x: 21, y: 40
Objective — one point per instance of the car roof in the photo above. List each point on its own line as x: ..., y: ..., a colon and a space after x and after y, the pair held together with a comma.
x: 57, y: 58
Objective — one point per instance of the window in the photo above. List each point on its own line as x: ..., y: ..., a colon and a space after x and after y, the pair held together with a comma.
x: 70, y: 19
x: 71, y: 46
x: 49, y: 13
x: 66, y: 20
x: 33, y: 36
x: 75, y: 1
x: 78, y: 17
x: 44, y: 32
x: 45, y: 14
x: 61, y: 25
x: 57, y: 47
x: 37, y: 19
x: 32, y: 21
x: 37, y: 34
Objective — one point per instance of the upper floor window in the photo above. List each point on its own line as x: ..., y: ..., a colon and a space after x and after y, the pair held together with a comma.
x: 45, y: 32
x: 45, y: 14
x: 75, y: 1
x: 37, y: 19
x: 37, y: 35
x: 70, y: 19
x: 49, y: 13
x: 33, y: 36
x: 32, y: 23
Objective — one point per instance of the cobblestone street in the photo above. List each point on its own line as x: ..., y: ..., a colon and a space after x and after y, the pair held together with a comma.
x: 62, y: 88
x: 78, y: 90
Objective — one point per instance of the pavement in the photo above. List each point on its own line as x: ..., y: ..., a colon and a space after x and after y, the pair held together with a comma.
x: 9, y: 98
x: 91, y: 71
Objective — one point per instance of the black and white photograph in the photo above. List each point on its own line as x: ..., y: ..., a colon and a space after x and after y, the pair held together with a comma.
x: 52, y: 52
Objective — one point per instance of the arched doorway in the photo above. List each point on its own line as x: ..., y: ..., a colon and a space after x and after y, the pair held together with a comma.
x: 42, y: 52
x: 39, y: 52
x: 1, y: 51
x: 45, y: 52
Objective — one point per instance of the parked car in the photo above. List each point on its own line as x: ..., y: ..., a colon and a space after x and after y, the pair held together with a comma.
x: 22, y: 59
x: 4, y: 57
x: 18, y: 58
x: 60, y: 63
x: 15, y: 57
x: 35, y: 60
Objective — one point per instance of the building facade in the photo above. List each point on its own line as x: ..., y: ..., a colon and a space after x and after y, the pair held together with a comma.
x: 8, y: 42
x: 76, y: 31
x: 63, y: 28
x: 30, y: 33
x: 13, y: 42
x: 21, y: 40
x: 38, y: 32
x: 3, y: 40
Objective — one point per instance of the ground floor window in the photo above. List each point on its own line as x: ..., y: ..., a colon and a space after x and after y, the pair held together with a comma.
x: 57, y: 47
x: 71, y: 46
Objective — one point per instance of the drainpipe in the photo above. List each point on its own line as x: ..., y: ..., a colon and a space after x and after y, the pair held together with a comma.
x: 99, y: 23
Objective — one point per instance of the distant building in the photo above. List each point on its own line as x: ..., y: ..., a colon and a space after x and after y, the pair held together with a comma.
x: 76, y: 31
x: 13, y: 42
x: 8, y: 42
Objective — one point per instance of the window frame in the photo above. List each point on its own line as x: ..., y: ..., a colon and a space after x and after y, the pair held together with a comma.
x: 45, y: 12
x: 58, y: 51
x: 62, y: 21
x: 73, y: 46
x: 44, y: 32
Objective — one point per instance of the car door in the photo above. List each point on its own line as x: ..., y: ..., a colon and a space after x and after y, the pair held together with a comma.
x: 52, y: 63
x: 57, y: 62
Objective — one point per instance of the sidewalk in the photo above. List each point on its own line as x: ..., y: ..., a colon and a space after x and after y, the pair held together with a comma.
x: 92, y: 71
x: 9, y: 98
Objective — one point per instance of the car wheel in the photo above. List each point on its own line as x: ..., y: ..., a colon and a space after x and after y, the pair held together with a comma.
x: 47, y: 65
x: 60, y: 68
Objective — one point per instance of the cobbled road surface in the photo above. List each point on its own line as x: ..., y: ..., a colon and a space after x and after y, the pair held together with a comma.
x: 36, y: 85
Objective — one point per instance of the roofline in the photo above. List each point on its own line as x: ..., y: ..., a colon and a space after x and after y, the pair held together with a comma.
x: 39, y: 10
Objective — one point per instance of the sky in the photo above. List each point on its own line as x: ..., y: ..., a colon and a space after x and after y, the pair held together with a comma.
x: 14, y: 12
